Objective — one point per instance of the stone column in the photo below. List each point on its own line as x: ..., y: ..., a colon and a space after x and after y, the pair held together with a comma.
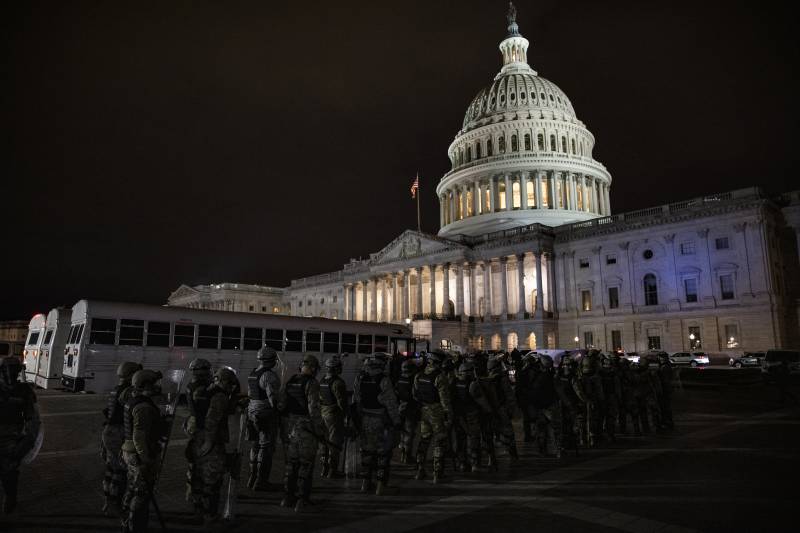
x: 584, y: 193
x: 595, y: 203
x: 538, y: 196
x: 459, y: 290
x: 418, y: 308
x: 509, y: 195
x: 364, y: 315
x: 432, y: 268
x: 452, y: 199
x: 539, y: 313
x: 521, y: 286
x: 553, y: 199
x: 374, y: 306
x: 504, y: 287
x: 523, y: 190
x: 551, y: 277
x: 351, y: 291
x: 487, y: 288
x: 608, y: 199
x: 573, y: 191
x: 406, y: 295
x: 473, y: 289
x: 492, y: 195
x: 476, y: 198
x: 464, y: 202
x: 385, y: 301
x: 446, y: 290
x: 441, y: 211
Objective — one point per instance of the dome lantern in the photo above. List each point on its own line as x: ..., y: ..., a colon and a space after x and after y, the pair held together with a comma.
x: 514, y: 47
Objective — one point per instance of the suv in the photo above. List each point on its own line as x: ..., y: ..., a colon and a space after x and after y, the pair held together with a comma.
x: 746, y: 359
x: 775, y: 358
x: 693, y: 359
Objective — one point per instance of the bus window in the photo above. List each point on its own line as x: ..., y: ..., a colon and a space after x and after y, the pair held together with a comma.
x: 312, y: 341
x: 364, y: 343
x: 274, y: 339
x: 207, y: 336
x: 79, y: 333
x: 294, y: 341
x: 400, y: 346
x: 330, y: 342
x: 231, y: 338
x: 33, y: 338
x: 103, y: 331
x: 348, y: 343
x: 5, y: 348
x: 48, y: 337
x: 184, y: 335
x: 131, y: 332
x: 158, y: 334
x: 381, y: 343
x: 252, y: 339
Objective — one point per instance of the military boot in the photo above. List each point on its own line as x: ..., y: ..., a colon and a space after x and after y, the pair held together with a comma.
x: 404, y: 456
x: 253, y: 477
x: 438, y: 470
x: 290, y: 486
x: 333, y: 467
x: 326, y: 465
x: 366, y: 481
x: 383, y: 480
x: 262, y: 475
x: 512, y: 451
x: 492, y: 466
x: 420, y: 471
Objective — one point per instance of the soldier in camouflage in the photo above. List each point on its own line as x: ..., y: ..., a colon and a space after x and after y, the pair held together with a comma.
x: 573, y: 402
x: 375, y: 404
x: 333, y: 405
x: 299, y: 403
x: 629, y: 406
x: 612, y: 394
x: 645, y: 394
x: 211, y: 455
x: 432, y: 390
x: 263, y: 386
x: 665, y: 376
x: 592, y: 385
x: 114, y: 477
x: 141, y: 450
x: 469, y: 405
x: 545, y: 409
x: 409, y: 410
x: 506, y: 405
x: 19, y: 427
x: 197, y: 402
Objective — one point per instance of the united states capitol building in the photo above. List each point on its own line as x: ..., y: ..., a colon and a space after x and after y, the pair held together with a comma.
x: 529, y: 253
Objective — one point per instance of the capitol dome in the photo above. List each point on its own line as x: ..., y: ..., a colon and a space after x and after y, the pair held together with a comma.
x: 522, y: 156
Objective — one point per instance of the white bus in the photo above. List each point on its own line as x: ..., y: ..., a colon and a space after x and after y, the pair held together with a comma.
x: 51, y: 354
x: 103, y: 334
x: 33, y: 345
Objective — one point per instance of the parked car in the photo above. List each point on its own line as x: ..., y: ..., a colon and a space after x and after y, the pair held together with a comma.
x: 693, y: 359
x: 746, y: 359
x: 774, y: 358
x: 633, y: 357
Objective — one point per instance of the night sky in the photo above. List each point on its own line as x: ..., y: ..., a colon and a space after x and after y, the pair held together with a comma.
x: 154, y: 144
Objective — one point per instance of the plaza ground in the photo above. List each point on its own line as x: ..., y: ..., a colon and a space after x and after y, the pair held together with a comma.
x: 730, y: 465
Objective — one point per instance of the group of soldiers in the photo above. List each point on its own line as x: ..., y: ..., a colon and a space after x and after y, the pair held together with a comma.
x: 460, y: 405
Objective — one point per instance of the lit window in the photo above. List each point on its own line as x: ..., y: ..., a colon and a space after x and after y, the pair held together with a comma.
x: 545, y: 194
x: 586, y: 300
x: 722, y: 243
x: 469, y: 203
x: 726, y: 286
x: 531, y: 186
x: 515, y: 195
x: 501, y: 193
x: 487, y: 200
x: 650, y: 290
x: 731, y: 335
x: 687, y: 248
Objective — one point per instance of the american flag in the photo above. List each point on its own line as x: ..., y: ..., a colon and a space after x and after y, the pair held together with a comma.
x: 415, y: 187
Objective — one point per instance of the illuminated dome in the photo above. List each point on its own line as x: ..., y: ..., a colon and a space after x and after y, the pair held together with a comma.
x: 522, y: 156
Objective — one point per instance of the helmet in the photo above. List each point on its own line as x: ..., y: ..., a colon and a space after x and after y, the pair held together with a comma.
x: 225, y: 377
x: 546, y: 361
x: 333, y: 363
x: 10, y: 368
x: 374, y: 366
x: 492, y: 364
x: 467, y: 368
x: 663, y: 358
x: 310, y: 361
x: 267, y: 356
x: 146, y: 379
x: 408, y: 368
x: 606, y: 362
x: 644, y: 363
x: 127, y: 369
x: 587, y: 365
x: 200, y: 365
x: 436, y: 358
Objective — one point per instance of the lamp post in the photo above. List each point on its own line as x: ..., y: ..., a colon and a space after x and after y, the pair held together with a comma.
x: 692, y: 337
x: 577, y: 340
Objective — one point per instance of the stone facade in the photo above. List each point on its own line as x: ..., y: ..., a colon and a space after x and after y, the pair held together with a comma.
x: 231, y: 297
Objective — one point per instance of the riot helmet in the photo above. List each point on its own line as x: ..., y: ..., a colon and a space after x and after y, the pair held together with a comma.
x: 267, y: 356
x: 146, y: 381
x: 226, y: 379
x: 408, y: 368
x: 127, y: 369
x: 546, y: 361
x: 333, y: 365
x: 311, y: 362
x: 200, y: 366
x: 465, y: 370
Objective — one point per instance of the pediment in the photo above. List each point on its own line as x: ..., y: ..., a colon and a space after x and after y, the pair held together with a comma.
x: 411, y: 244
x: 184, y: 291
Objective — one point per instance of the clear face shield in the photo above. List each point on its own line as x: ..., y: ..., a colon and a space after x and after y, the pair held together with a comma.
x: 171, y: 384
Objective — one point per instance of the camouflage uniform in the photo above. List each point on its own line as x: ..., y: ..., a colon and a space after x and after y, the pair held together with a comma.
x: 629, y: 406
x: 376, y: 406
x: 211, y: 456
x: 592, y: 385
x: 409, y: 410
x: 469, y: 406
x: 497, y: 378
x: 432, y: 390
x: 197, y: 401
x: 141, y: 450
x: 523, y: 378
x: 19, y: 427
x: 299, y: 402
x: 612, y: 393
x: 545, y: 409
x: 113, y: 435
x: 263, y: 386
x: 333, y: 405
x: 645, y: 395
x: 665, y: 376
x: 573, y: 403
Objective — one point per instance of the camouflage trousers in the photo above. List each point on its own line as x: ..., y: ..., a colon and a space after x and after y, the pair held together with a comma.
x: 573, y: 425
x: 410, y: 420
x: 547, y: 423
x: 468, y: 437
x: 611, y: 413
x: 376, y: 443
x: 211, y: 467
x: 333, y: 418
x: 432, y: 428
x: 648, y: 409
x: 503, y: 428
x: 139, y: 490
x: 265, y: 425
x: 115, y: 474
x: 301, y: 452
x: 629, y: 408
x: 594, y: 417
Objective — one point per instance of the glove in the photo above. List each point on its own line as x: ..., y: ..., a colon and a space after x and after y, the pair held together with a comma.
x: 205, y: 449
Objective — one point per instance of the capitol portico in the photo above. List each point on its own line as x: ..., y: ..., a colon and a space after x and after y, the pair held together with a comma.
x: 529, y: 254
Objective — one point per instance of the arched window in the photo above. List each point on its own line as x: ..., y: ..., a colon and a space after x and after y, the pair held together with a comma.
x: 531, y: 192
x: 553, y: 147
x: 515, y: 195
x: 650, y: 290
x: 478, y: 150
x: 489, y: 148
x: 512, y: 341
x: 501, y: 145
x: 540, y: 141
x: 532, y: 341
x: 496, y: 341
x: 501, y: 194
x: 487, y: 200
x: 469, y: 154
x: 564, y: 144
x: 573, y: 147
x: 514, y: 144
x: 470, y: 204
x: 527, y: 141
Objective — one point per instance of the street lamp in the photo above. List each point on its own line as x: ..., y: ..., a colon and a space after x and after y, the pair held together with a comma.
x: 577, y: 340
x: 692, y: 337
x: 408, y: 321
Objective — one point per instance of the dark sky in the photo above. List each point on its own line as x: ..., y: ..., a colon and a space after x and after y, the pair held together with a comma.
x: 150, y: 144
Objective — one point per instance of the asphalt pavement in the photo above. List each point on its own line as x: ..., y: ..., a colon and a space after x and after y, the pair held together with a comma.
x: 729, y: 465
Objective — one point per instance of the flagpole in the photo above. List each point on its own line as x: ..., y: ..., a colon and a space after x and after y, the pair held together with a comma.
x: 419, y: 219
